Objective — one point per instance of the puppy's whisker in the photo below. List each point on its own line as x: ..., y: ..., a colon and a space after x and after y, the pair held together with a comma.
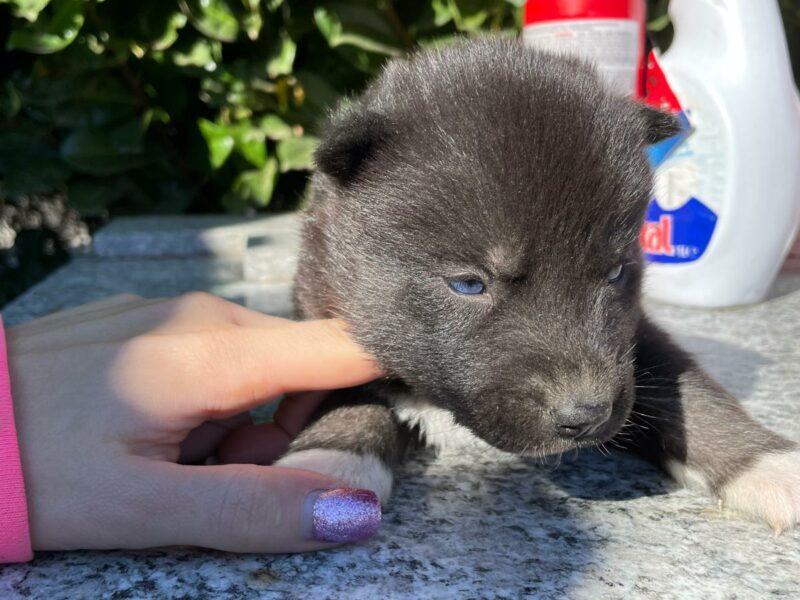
x: 616, y: 444
x: 627, y: 352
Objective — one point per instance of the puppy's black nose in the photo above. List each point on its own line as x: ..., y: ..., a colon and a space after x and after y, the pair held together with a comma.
x: 576, y: 421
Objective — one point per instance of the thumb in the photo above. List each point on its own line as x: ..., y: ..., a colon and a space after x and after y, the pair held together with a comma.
x: 250, y: 508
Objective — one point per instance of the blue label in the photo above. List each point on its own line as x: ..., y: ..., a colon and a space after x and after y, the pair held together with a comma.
x: 677, y: 236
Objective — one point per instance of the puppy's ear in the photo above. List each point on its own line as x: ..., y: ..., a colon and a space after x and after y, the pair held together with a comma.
x: 351, y: 138
x: 658, y: 125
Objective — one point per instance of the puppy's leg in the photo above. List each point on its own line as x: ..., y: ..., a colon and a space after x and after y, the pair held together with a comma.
x: 355, y: 438
x: 685, y: 421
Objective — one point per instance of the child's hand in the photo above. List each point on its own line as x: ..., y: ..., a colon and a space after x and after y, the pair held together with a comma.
x: 111, y: 397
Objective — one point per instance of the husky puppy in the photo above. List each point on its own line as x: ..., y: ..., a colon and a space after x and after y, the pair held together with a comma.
x: 475, y: 219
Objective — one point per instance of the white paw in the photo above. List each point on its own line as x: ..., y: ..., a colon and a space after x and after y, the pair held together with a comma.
x: 769, y: 490
x: 363, y: 471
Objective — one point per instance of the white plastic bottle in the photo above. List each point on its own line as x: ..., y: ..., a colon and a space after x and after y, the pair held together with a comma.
x: 727, y: 202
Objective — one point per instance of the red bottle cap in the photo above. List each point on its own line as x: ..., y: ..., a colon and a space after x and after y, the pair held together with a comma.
x: 554, y: 10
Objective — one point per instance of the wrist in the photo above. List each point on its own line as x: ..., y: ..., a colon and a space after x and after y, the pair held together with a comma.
x: 15, y: 541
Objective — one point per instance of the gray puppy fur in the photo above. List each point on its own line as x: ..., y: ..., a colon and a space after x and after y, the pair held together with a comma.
x: 489, y: 165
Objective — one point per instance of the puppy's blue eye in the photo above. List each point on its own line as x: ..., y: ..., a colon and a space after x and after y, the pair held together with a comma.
x: 468, y: 287
x: 615, y: 274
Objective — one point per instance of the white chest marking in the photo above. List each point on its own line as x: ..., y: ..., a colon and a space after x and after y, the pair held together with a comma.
x: 437, y: 426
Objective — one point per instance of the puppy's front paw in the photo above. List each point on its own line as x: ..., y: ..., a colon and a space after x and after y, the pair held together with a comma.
x: 769, y: 490
x: 363, y: 471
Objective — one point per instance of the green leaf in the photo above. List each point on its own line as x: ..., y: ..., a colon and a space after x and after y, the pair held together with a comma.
x: 139, y: 26
x: 469, y: 15
x: 176, y: 22
x: 48, y: 35
x: 105, y: 152
x: 222, y: 140
x: 282, y: 57
x: 10, y: 101
x: 249, y: 142
x: 252, y: 22
x: 253, y: 150
x: 659, y: 23
x: 275, y: 128
x: 363, y: 26
x: 441, y: 12
x: 252, y: 187
x: 26, y: 9
x: 156, y: 115
x: 368, y: 62
x: 219, y: 140
x: 204, y: 53
x: 212, y: 18
x: 297, y: 154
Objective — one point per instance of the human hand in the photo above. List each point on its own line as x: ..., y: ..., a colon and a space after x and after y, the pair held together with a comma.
x: 110, y: 398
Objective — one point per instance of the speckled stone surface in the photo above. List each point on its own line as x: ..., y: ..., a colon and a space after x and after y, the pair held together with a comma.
x: 185, y: 236
x: 467, y: 526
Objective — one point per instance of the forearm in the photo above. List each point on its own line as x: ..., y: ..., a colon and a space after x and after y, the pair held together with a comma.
x: 15, y: 543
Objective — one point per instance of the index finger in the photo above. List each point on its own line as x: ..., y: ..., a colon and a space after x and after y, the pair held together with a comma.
x: 249, y: 366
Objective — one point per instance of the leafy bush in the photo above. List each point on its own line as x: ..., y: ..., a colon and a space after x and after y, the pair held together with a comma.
x: 202, y: 105
x: 193, y: 105
x: 791, y: 21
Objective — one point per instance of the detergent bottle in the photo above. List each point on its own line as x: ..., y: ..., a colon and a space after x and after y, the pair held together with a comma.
x: 727, y: 200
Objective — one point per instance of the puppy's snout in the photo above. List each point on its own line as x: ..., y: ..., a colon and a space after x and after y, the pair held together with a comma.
x: 578, y: 420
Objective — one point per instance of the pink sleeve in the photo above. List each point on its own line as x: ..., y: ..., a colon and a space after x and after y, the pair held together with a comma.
x: 15, y: 539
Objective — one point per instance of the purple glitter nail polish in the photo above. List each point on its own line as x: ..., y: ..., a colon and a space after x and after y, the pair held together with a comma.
x: 345, y: 515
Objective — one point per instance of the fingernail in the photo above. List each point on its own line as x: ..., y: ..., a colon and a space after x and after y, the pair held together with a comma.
x: 343, y: 514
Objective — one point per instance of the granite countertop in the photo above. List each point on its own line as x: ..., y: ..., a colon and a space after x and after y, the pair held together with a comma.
x: 459, y: 526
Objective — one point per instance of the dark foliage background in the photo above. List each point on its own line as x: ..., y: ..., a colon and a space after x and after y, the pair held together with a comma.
x: 112, y: 107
